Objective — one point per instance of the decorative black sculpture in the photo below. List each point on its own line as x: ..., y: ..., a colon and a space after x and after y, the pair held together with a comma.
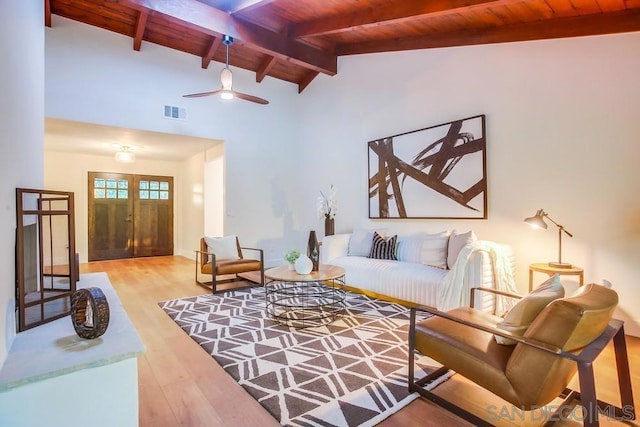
x: 89, y: 312
x: 313, y: 250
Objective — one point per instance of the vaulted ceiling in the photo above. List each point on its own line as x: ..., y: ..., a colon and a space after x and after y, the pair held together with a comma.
x: 295, y: 40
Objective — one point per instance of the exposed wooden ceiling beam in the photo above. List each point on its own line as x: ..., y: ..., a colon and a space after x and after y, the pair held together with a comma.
x: 285, y: 49
x: 306, y: 80
x: 211, y: 51
x: 47, y: 13
x: 264, y: 68
x: 140, y: 25
x: 578, y: 26
x: 398, y: 12
x: 207, y: 19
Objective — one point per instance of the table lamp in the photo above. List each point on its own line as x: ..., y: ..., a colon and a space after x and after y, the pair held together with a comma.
x: 537, y: 221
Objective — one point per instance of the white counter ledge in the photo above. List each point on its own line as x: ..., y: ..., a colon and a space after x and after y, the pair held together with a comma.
x: 93, y: 373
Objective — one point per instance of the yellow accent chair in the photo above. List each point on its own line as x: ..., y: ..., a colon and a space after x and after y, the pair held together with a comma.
x: 566, y: 336
x: 224, y: 256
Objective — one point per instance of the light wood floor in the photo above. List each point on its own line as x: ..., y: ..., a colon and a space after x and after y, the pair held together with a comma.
x: 180, y: 384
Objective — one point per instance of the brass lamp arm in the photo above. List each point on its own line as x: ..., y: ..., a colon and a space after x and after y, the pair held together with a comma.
x: 561, y: 227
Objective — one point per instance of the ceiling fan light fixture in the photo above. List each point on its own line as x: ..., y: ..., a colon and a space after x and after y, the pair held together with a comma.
x: 226, y: 78
x: 226, y: 94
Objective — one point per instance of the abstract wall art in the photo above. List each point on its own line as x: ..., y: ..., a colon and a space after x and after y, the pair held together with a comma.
x: 435, y: 172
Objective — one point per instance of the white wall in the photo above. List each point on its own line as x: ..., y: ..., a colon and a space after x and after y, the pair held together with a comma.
x: 192, y: 207
x: 562, y: 134
x: 21, y: 134
x: 95, y: 76
x: 214, y: 191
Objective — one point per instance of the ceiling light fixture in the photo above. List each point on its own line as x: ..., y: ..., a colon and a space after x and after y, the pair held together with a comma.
x: 125, y: 155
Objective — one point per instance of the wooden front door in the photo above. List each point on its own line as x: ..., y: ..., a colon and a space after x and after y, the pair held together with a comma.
x: 129, y: 216
x: 153, y: 207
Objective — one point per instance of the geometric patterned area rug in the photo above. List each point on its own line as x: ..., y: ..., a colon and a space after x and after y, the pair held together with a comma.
x: 352, y: 372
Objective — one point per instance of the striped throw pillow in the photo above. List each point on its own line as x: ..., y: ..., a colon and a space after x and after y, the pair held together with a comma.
x: 383, y: 249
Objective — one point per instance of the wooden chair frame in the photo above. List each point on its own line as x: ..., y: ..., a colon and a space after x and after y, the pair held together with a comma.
x: 584, y: 359
x: 212, y: 284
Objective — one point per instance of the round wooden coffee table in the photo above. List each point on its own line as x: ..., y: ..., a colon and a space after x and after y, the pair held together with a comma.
x: 303, y: 300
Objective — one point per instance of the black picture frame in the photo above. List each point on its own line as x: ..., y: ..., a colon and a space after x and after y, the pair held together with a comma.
x: 435, y: 172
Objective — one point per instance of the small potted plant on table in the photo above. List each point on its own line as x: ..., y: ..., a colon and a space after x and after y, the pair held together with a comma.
x: 291, y: 258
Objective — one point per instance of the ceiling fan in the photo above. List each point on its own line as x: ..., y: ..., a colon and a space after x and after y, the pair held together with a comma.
x: 226, y: 78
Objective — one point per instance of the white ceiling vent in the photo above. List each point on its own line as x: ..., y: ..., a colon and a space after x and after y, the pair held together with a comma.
x: 173, y: 112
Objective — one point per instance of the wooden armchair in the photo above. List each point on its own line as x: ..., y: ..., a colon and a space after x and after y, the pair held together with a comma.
x: 567, y: 335
x: 210, y: 264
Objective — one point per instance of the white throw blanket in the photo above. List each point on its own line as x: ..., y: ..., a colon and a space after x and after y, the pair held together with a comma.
x: 456, y: 293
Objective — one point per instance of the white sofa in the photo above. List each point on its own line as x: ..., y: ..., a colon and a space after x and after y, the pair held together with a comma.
x: 422, y: 268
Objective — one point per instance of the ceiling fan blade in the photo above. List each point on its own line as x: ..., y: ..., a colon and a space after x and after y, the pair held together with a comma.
x: 198, y: 95
x: 251, y: 98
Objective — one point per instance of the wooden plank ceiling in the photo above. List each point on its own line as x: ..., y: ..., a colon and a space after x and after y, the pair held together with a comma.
x: 295, y: 40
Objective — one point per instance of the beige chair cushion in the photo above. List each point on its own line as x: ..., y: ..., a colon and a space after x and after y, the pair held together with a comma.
x: 518, y: 319
x: 232, y: 266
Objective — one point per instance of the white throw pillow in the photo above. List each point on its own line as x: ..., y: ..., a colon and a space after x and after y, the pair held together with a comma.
x: 456, y: 243
x: 434, y: 249
x: 424, y: 248
x: 222, y: 247
x: 360, y: 241
x: 408, y: 247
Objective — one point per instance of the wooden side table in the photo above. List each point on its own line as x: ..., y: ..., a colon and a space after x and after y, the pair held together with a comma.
x: 545, y: 268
